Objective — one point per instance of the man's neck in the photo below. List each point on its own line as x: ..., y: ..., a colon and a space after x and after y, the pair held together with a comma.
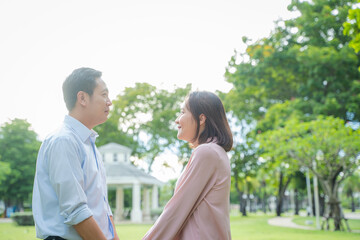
x: 81, y: 118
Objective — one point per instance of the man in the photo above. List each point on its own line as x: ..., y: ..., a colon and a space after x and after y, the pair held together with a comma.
x: 70, y: 194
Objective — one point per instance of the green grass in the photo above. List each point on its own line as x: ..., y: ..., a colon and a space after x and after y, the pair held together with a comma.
x: 242, y: 228
x: 354, y: 224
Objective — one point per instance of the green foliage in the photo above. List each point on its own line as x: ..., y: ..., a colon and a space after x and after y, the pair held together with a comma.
x: 305, y: 58
x: 304, y: 69
x: 352, y: 28
x: 166, y: 192
x: 4, y: 170
x: 326, y: 141
x: 155, y: 213
x: 23, y: 218
x: 18, y: 150
x: 351, y: 186
x: 325, y: 145
x: 143, y: 118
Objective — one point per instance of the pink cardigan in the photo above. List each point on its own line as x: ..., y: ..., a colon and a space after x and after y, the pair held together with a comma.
x: 199, y: 208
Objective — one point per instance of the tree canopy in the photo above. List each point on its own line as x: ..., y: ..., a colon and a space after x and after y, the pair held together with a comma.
x: 304, y: 69
x: 306, y: 58
x: 18, y: 150
x: 143, y: 118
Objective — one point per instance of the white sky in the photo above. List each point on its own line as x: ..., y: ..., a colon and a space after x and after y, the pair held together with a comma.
x: 162, y: 42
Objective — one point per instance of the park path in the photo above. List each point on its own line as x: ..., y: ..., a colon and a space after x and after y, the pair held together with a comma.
x: 351, y: 215
x: 287, y: 222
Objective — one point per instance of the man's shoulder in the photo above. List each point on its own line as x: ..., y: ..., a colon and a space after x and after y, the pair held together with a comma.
x: 61, y: 134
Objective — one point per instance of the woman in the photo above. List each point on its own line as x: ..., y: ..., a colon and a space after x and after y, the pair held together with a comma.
x: 199, y: 208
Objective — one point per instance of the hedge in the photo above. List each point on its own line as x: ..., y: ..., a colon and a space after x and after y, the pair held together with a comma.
x: 23, y: 218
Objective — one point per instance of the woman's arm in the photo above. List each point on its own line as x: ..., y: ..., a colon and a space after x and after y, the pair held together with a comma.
x: 190, y: 191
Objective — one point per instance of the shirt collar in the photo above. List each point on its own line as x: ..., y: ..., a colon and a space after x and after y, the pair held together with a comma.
x: 82, y: 131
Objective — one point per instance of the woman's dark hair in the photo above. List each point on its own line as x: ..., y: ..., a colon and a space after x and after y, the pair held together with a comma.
x: 81, y: 79
x: 216, y: 124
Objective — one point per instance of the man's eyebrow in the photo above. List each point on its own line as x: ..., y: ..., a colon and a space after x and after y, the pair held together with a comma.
x: 105, y: 90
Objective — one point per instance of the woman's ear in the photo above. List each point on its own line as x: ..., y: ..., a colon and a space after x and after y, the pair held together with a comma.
x: 202, y: 119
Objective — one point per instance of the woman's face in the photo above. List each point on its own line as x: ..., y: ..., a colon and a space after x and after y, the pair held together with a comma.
x: 186, y: 125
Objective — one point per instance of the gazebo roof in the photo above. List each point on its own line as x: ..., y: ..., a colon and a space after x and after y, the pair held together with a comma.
x: 114, y: 147
x: 125, y: 173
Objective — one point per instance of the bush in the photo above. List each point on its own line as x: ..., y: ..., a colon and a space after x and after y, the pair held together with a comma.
x: 23, y: 218
x: 155, y: 213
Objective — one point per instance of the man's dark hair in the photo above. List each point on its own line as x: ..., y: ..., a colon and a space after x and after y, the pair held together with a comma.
x: 216, y: 124
x: 81, y: 79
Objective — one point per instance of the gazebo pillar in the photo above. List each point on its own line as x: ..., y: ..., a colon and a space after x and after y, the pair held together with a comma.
x: 136, y: 214
x: 155, y: 201
x: 146, y: 201
x: 119, y: 204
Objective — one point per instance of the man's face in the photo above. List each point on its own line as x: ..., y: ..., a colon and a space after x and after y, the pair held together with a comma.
x: 99, y: 104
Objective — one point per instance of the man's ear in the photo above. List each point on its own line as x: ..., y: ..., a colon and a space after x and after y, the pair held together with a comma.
x: 202, y: 119
x: 82, y: 98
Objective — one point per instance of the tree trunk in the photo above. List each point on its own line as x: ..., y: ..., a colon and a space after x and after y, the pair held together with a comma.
x: 240, y: 195
x: 352, y: 202
x: 335, y: 212
x: 296, y: 196
x: 281, y: 193
x: 243, y: 207
x: 263, y: 197
x: 322, y: 205
x: 264, y: 203
x: 7, y: 204
x: 240, y: 201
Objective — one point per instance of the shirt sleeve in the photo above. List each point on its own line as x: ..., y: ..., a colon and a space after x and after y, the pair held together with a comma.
x: 189, y: 190
x: 67, y: 179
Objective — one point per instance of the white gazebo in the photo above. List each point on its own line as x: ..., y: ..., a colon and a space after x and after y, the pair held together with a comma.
x: 121, y: 174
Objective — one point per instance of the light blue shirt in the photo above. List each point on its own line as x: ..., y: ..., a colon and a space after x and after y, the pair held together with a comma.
x: 70, y: 183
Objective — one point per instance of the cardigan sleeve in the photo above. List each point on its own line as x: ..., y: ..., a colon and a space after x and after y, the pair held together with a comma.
x: 188, y: 194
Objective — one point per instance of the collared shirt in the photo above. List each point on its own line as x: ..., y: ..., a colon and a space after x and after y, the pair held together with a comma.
x: 70, y: 183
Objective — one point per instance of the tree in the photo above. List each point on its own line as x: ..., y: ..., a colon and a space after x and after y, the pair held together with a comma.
x: 143, y: 118
x: 326, y: 146
x: 299, y: 186
x: 352, y: 28
x: 244, y: 161
x: 306, y: 61
x: 18, y: 149
x: 4, y: 170
x: 351, y: 186
x: 278, y: 162
x: 306, y: 58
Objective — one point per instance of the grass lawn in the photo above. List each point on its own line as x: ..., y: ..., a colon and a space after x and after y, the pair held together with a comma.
x: 242, y: 228
x: 353, y: 224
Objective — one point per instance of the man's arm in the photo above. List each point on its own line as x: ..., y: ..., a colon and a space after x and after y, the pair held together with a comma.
x: 116, y: 237
x: 89, y: 230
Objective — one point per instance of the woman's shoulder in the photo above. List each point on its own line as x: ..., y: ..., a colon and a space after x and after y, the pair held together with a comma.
x: 209, y: 147
x: 209, y: 150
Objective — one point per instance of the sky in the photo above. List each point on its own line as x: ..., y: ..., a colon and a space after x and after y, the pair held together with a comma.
x: 163, y: 42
